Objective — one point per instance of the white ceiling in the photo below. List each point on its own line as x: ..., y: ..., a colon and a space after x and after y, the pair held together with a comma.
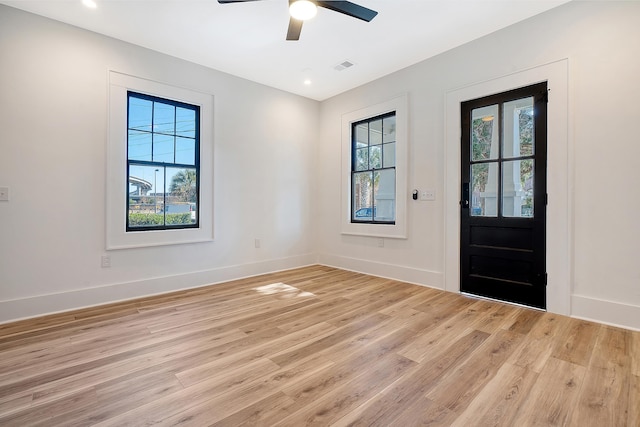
x: 248, y: 39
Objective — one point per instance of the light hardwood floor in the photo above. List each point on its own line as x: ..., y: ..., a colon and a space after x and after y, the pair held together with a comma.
x: 317, y: 346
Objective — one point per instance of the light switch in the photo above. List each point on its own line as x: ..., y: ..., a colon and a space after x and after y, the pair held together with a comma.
x: 4, y: 194
x: 428, y: 195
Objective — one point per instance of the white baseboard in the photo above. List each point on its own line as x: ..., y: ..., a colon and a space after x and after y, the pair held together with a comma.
x: 582, y: 307
x: 41, y: 305
x: 607, y: 312
x: 596, y: 310
x: 416, y: 276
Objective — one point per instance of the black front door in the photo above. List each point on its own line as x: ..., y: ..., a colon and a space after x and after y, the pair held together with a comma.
x: 503, y: 206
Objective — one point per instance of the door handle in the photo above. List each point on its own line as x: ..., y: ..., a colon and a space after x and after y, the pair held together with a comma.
x: 465, y: 196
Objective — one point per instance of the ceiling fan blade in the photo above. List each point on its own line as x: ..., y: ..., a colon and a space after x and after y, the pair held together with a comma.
x: 349, y: 8
x: 295, y: 27
x: 234, y: 1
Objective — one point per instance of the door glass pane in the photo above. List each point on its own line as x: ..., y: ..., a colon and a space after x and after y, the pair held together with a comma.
x: 484, y: 133
x: 518, y: 128
x: 362, y: 196
x: 385, y: 195
x: 484, y: 189
x: 517, y: 188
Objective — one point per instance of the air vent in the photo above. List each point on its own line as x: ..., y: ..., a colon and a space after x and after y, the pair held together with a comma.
x: 343, y: 65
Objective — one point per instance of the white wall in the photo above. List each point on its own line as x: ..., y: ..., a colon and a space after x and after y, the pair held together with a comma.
x: 53, y: 120
x: 600, y: 40
x: 53, y: 130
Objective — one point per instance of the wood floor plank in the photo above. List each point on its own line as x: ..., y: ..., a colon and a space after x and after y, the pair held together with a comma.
x: 266, y: 412
x: 502, y: 318
x: 425, y: 413
x: 345, y: 369
x: 431, y: 341
x: 316, y: 346
x: 537, y: 348
x: 635, y: 353
x: 223, y: 405
x: 421, y: 296
x: 226, y: 361
x: 227, y: 386
x: 341, y: 334
x: 553, y: 397
x: 387, y: 406
x: 25, y: 379
x: 604, y: 398
x: 139, y: 390
x: 498, y: 403
x: 456, y: 390
x: 15, y: 402
x: 576, y: 343
x: 332, y: 406
x: 40, y: 415
x: 160, y: 361
x: 525, y: 321
x: 634, y: 401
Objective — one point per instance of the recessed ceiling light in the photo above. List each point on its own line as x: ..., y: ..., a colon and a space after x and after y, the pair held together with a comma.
x: 307, y: 82
x: 91, y: 4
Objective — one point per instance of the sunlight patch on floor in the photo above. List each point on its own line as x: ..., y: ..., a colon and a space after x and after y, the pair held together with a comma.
x: 282, y: 289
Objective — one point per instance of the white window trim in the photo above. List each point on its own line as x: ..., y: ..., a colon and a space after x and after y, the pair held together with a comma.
x: 399, y: 229
x: 117, y: 237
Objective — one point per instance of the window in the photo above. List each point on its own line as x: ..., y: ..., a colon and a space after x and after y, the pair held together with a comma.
x: 373, y: 170
x: 162, y: 163
x: 159, y: 164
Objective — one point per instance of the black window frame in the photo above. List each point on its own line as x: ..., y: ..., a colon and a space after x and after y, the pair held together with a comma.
x: 164, y: 165
x: 354, y: 148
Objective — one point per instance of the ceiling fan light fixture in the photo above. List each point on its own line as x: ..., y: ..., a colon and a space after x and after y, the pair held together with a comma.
x: 303, y: 10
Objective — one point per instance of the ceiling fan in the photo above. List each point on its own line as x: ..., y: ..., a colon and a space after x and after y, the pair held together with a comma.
x: 301, y: 10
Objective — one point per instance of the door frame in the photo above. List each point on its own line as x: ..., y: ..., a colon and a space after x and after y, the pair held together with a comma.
x: 559, y: 177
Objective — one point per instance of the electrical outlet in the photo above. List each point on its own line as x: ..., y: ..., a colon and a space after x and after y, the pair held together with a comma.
x: 381, y: 243
x: 4, y: 194
x: 105, y: 261
x: 257, y: 243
